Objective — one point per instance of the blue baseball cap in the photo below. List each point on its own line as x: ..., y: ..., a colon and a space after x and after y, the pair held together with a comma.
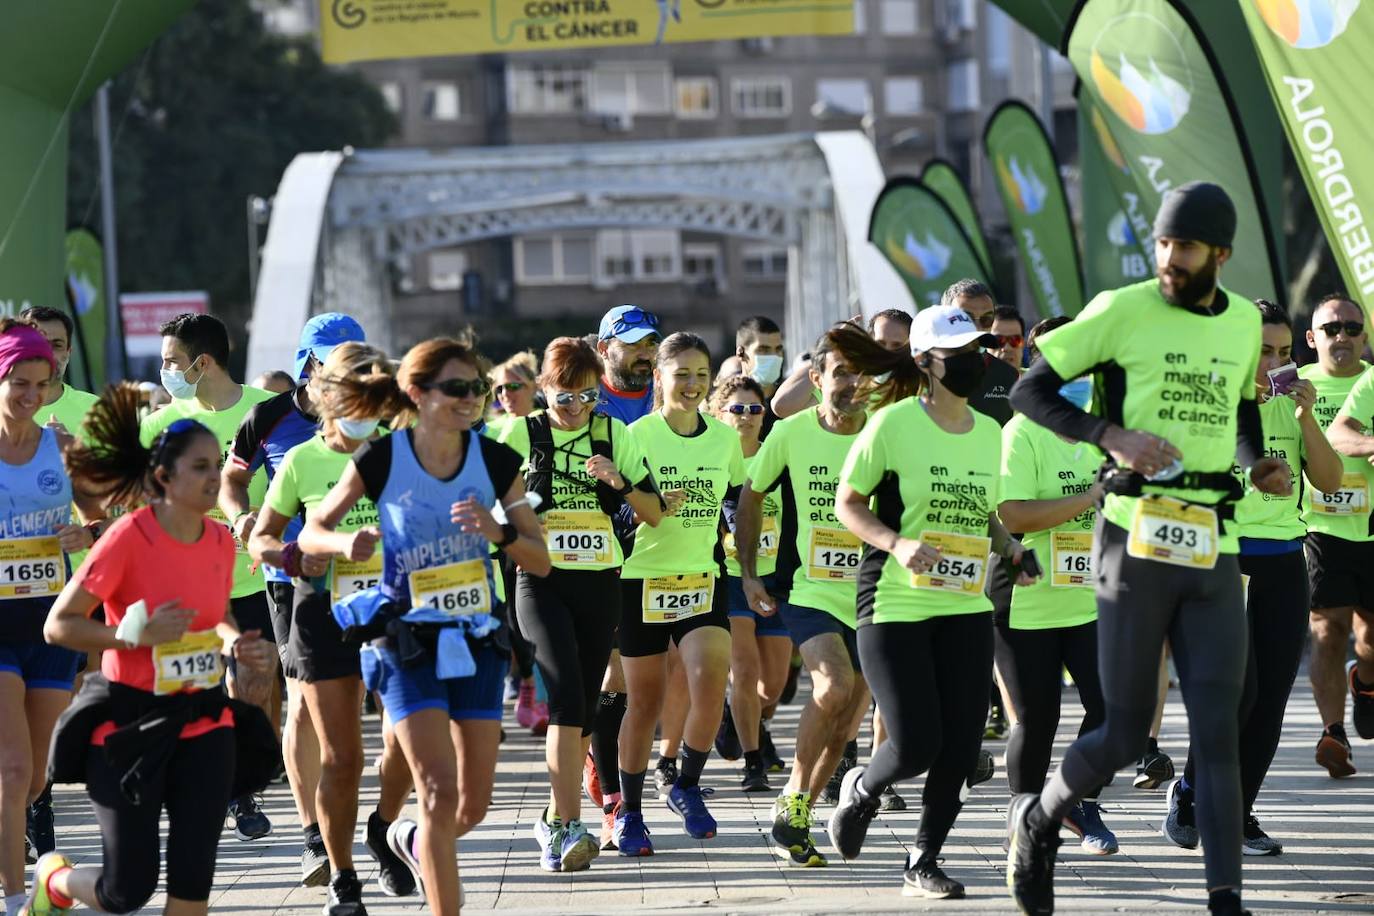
x: 323, y: 333
x: 629, y: 323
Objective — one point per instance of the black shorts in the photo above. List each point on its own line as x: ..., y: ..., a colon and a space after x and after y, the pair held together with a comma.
x: 315, y: 649
x: 1341, y: 572
x: 252, y: 613
x: 281, y: 597
x: 638, y: 639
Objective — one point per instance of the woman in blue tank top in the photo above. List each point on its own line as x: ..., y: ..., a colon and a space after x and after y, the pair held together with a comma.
x: 435, y: 484
x: 36, y: 533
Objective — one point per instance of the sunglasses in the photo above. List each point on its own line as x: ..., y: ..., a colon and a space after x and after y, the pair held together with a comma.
x: 1010, y: 340
x: 460, y: 387
x: 740, y: 410
x: 984, y: 321
x: 509, y: 386
x: 632, y: 319
x: 589, y: 396
x: 1352, y: 328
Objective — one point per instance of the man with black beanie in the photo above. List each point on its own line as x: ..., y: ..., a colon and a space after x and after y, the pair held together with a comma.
x: 1173, y: 362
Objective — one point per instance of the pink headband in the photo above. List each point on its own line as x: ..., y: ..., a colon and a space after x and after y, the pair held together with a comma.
x: 20, y: 343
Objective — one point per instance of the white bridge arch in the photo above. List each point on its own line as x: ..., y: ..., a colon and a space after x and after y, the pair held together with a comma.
x: 339, y: 219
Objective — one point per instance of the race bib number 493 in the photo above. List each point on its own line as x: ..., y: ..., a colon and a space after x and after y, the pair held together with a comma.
x: 1171, y: 531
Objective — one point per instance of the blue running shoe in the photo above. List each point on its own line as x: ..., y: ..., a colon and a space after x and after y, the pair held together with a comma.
x: 550, y: 838
x: 688, y: 805
x: 1085, y: 821
x: 579, y: 847
x: 631, y: 835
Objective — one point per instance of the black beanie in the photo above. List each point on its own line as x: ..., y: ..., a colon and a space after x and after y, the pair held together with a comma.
x: 1198, y: 211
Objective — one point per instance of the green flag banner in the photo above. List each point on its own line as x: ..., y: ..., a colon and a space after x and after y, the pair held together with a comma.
x: 1113, y: 226
x: 942, y: 178
x: 1172, y: 116
x: 1315, y: 55
x: 917, y: 233
x: 86, y: 295
x: 1037, y: 208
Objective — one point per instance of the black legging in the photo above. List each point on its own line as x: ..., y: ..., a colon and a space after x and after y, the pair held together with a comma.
x: 194, y: 787
x: 1277, y: 608
x: 522, y: 650
x: 1031, y: 662
x: 931, y: 683
x: 570, y: 616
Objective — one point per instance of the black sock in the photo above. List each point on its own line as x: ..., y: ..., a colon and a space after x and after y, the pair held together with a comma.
x: 45, y: 797
x: 665, y: 761
x: 1226, y: 900
x: 631, y: 790
x: 1040, y: 823
x: 1153, y: 747
x: 610, y: 710
x: 693, y: 762
x: 753, y: 759
x: 851, y: 751
x: 313, y: 837
x: 1337, y: 731
x: 377, y: 824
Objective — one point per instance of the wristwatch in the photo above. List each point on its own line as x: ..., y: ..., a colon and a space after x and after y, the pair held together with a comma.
x: 627, y: 489
x: 509, y: 535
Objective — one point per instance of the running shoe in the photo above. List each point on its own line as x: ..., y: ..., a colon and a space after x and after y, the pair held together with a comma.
x: 791, y: 832
x: 1180, y: 823
x: 1154, y: 769
x: 984, y: 770
x: 400, y: 839
x: 39, y: 902
x: 891, y: 801
x: 689, y: 805
x: 550, y: 840
x: 314, y: 864
x: 591, y: 781
x: 579, y: 848
x: 1361, y: 703
x: 772, y: 760
x: 789, y: 688
x: 540, y: 728
x: 665, y: 777
x: 29, y: 856
x: 524, y: 704
x: 1030, y: 860
x: 608, y: 826
x: 631, y: 834
x: 249, y: 821
x: 1333, y: 752
x: 38, y: 824
x: 927, y: 879
x: 755, y: 779
x: 345, y: 895
x: 831, y: 793
x: 394, y: 875
x: 1257, y: 842
x: 1226, y: 903
x: 996, y: 728
x: 727, y: 739
x: 853, y: 813
x: 511, y: 693
x: 1084, y: 820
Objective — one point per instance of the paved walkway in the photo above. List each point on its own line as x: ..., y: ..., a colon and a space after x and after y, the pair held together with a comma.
x: 1327, y: 826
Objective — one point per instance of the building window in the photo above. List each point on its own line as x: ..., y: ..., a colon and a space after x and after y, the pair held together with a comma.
x: 764, y: 262
x: 393, y: 95
x: 700, y: 261
x: 546, y: 90
x: 961, y: 14
x: 762, y: 96
x: 846, y: 96
x: 696, y: 97
x: 553, y: 259
x: 446, y: 269
x: 963, y: 85
x: 903, y: 95
x: 638, y: 255
x: 860, y: 16
x: 900, y: 17
x: 631, y: 89
x: 442, y: 101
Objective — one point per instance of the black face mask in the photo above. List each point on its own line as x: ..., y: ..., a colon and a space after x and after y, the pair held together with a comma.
x: 964, y: 372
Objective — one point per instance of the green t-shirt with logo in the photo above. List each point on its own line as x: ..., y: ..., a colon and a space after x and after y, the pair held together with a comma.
x: 1344, y: 514
x: 704, y: 464
x: 574, y: 490
x: 1169, y: 371
x: 766, y: 560
x: 1038, y: 464
x: 928, y: 485
x: 804, y: 459
x: 225, y: 425
x: 1262, y: 515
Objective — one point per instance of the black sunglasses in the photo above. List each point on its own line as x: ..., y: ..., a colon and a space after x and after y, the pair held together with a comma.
x: 460, y: 387
x: 984, y: 320
x: 1352, y: 329
x: 589, y: 396
x: 740, y: 410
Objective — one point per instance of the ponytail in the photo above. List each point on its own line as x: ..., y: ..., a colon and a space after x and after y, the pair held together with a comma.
x: 868, y: 357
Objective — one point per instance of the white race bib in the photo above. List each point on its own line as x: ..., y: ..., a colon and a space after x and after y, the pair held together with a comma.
x: 668, y: 599
x: 454, y: 589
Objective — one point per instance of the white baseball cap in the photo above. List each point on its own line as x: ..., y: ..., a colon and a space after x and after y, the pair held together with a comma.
x: 946, y: 327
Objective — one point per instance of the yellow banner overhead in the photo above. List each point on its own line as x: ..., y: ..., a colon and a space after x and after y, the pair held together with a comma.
x: 352, y: 30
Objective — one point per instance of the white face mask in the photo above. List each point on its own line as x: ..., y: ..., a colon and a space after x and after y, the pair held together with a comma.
x: 357, y: 429
x: 767, y: 368
x: 174, y: 380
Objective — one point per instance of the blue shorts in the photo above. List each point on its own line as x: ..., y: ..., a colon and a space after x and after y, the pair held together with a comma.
x: 43, y: 667
x: 805, y: 624
x: 739, y: 607
x: 408, y: 690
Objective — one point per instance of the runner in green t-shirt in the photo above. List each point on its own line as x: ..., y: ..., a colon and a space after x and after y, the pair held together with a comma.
x: 195, y: 352
x: 760, y: 648
x: 928, y: 516
x: 670, y: 588
x: 814, y: 588
x: 1340, y: 543
x: 1173, y: 361
x: 1049, y: 494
